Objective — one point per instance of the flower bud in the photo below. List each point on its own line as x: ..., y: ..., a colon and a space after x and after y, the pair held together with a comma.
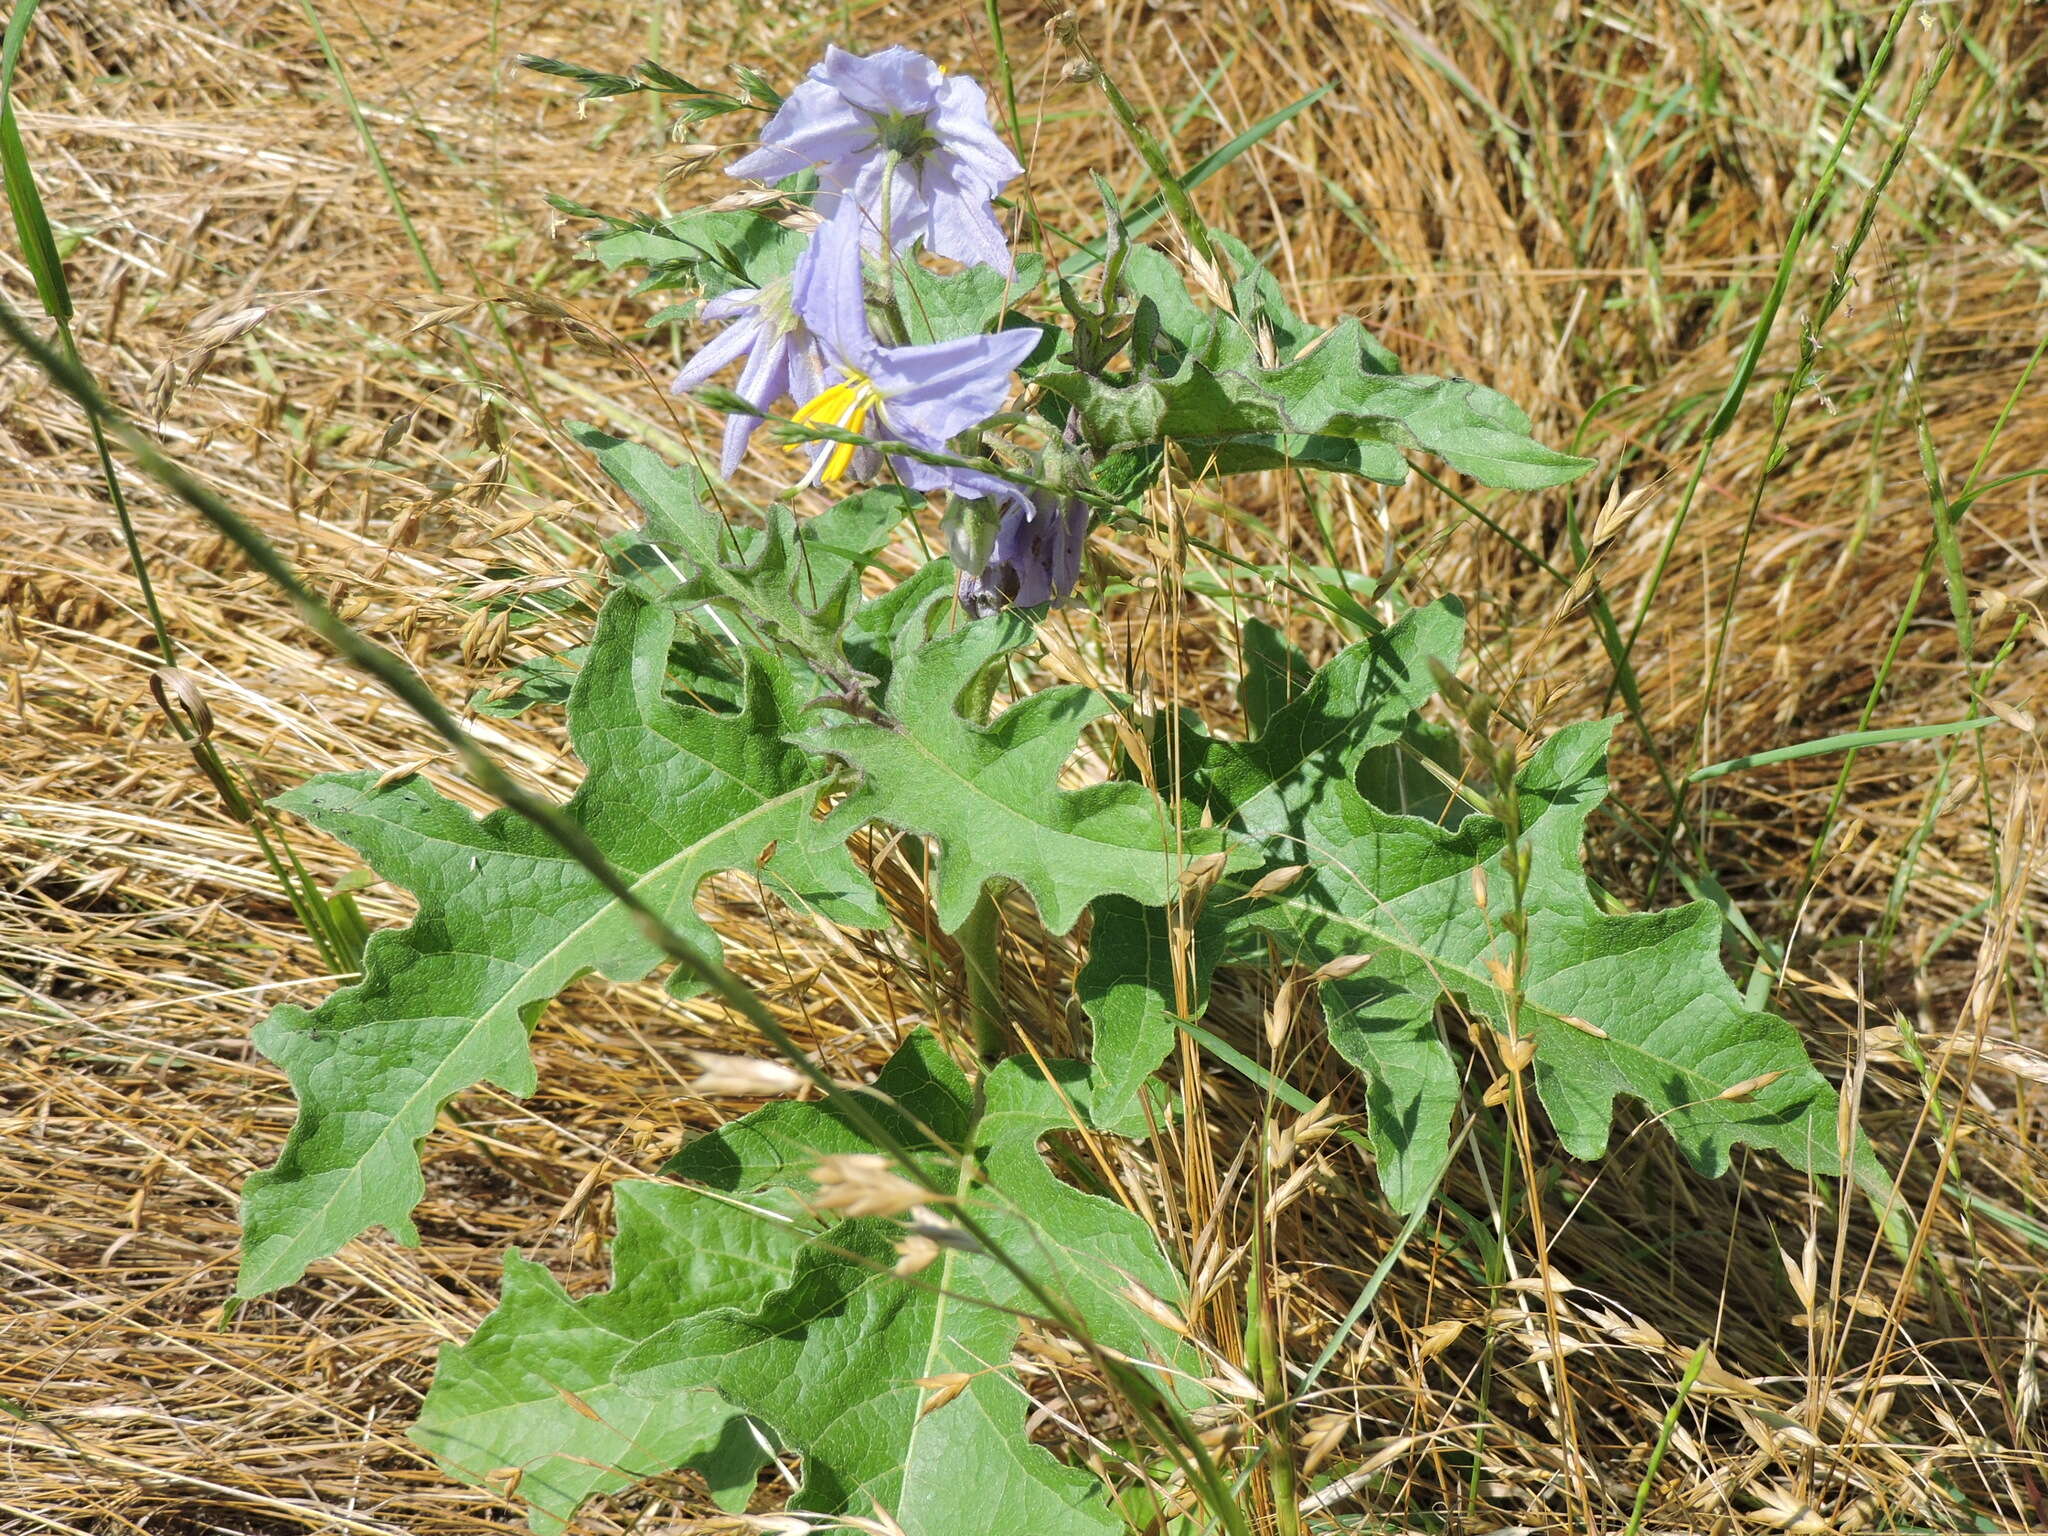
x: 970, y: 526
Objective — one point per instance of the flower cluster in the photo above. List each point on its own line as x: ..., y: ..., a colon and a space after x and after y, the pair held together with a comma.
x: 906, y: 160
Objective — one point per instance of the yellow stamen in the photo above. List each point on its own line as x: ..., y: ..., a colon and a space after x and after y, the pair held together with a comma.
x: 847, y: 406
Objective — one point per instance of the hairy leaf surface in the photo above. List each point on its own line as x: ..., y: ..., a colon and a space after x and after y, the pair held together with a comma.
x: 506, y: 920
x: 1257, y: 387
x: 989, y: 795
x: 808, y: 1334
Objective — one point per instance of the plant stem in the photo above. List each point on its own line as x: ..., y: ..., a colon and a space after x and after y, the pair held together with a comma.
x: 1171, y: 187
x: 1155, y: 1411
x: 1005, y: 75
x: 1263, y: 1333
x: 979, y: 939
x: 1693, y: 1367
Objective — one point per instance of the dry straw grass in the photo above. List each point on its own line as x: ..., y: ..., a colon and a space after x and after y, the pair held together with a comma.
x: 1580, y: 205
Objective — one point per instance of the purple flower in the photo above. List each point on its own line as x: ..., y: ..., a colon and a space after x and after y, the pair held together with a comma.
x: 1036, y: 557
x: 782, y: 356
x: 897, y: 141
x: 926, y: 395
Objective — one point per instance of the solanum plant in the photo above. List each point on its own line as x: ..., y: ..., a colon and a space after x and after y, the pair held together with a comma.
x: 842, y: 1282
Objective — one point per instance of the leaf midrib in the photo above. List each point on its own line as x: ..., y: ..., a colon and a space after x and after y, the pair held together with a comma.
x: 885, y: 812
x: 1439, y: 965
x: 352, y: 1180
x: 962, y: 1183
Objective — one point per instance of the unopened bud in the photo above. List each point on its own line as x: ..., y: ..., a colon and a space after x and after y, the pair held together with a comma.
x: 970, y: 528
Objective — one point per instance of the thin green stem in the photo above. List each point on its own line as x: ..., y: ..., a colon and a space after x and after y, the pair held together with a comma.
x: 1006, y: 77
x: 979, y: 939
x: 53, y: 291
x: 370, y: 147
x: 1766, y: 321
x: 1171, y: 187
x: 1849, y: 741
x: 1665, y: 1431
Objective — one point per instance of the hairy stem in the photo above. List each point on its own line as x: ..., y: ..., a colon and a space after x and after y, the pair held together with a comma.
x: 980, y: 940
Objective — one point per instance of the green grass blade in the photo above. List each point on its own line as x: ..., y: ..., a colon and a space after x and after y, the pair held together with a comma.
x: 1149, y: 212
x: 1766, y: 321
x: 1848, y: 741
x: 1693, y: 1368
x: 377, y: 160
x: 38, y: 243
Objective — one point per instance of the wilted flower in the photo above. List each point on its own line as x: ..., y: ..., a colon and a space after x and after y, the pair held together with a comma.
x: 895, y: 141
x: 1035, y: 556
x: 925, y: 395
x: 782, y: 358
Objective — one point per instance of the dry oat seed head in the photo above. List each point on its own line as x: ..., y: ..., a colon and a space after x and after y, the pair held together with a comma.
x: 720, y: 1076
x: 865, y: 1184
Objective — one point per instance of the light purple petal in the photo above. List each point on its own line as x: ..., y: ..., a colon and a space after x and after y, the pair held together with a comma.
x: 936, y: 391
x: 728, y: 306
x: 806, y: 371
x: 828, y: 296
x: 815, y: 125
x: 731, y: 343
x: 836, y: 122
x: 738, y: 429
x: 896, y: 80
x: 962, y: 125
x: 968, y: 484
x: 966, y: 230
x: 861, y: 205
x: 765, y: 379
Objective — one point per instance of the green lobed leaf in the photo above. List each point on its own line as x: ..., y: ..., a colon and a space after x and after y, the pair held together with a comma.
x: 723, y: 1310
x: 1259, y: 388
x: 947, y: 306
x: 1327, y: 782
x: 712, y: 251
x: 506, y: 920
x: 1366, y: 696
x: 538, y: 1388
x: 1129, y: 991
x: 839, y: 1362
x: 793, y: 584
x: 509, y: 1396
x: 988, y: 795
x: 1313, y: 730
x: 1675, y: 1034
